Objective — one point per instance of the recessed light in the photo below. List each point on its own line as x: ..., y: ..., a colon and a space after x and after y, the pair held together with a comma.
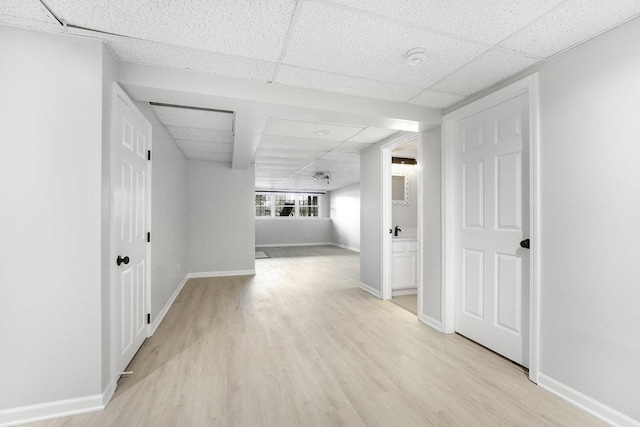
x: 322, y: 132
x: 416, y: 56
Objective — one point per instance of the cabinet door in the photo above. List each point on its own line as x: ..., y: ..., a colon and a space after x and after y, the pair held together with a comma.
x: 404, y: 270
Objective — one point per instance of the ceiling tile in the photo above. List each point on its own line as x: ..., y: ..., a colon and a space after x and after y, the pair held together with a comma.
x: 293, y: 154
x: 433, y: 99
x: 308, y: 130
x: 208, y: 155
x: 27, y: 13
x: 183, y: 58
x: 205, y: 146
x: 490, y: 68
x: 342, y: 157
x: 265, y: 174
x: 255, y: 29
x: 259, y: 160
x: 335, y: 165
x: 346, y: 85
x: 351, y: 147
x: 188, y: 117
x: 278, y: 166
x: 372, y: 134
x: 348, y: 42
x: 570, y: 23
x: 290, y: 143
x: 485, y: 21
x: 193, y: 134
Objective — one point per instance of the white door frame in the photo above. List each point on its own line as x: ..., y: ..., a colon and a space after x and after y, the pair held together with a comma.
x: 386, y: 208
x: 118, y: 92
x: 527, y: 85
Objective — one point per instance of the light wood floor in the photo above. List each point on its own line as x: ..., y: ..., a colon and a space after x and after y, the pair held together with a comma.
x: 299, y: 344
x: 408, y: 302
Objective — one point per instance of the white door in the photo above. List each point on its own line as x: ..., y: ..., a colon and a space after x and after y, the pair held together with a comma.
x: 492, y: 216
x: 131, y: 195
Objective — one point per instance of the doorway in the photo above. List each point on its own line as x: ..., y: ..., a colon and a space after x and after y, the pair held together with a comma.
x: 401, y: 208
x: 490, y: 222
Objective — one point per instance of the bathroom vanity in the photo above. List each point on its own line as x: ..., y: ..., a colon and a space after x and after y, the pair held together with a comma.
x: 404, y: 259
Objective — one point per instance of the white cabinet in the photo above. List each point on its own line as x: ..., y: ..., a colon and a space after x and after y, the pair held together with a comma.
x: 404, y: 264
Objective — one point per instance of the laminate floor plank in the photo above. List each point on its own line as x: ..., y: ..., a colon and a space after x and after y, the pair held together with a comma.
x: 299, y: 344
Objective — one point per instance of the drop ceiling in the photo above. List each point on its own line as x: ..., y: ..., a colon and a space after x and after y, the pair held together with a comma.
x: 353, y: 48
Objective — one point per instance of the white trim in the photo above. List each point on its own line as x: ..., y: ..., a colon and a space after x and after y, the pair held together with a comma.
x: 376, y: 293
x: 430, y: 321
x: 585, y: 402
x: 405, y: 291
x: 528, y: 85
x: 57, y: 409
x: 284, y: 245
x: 108, y: 393
x: 221, y: 274
x: 351, y: 248
x: 167, y: 306
x: 386, y: 209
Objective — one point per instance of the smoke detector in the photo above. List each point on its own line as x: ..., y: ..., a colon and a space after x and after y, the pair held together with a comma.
x: 416, y: 56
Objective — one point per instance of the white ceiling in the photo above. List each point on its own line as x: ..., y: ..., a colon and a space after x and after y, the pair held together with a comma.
x: 290, y: 152
x: 354, y: 48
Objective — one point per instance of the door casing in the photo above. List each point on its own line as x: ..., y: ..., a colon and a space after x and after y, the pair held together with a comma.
x: 118, y: 92
x: 527, y: 85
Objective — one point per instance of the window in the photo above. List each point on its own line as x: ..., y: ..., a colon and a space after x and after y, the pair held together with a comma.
x: 285, y: 205
x: 272, y: 205
x: 308, y: 205
x: 263, y: 204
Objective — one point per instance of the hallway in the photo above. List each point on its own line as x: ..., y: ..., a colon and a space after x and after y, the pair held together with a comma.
x: 300, y: 344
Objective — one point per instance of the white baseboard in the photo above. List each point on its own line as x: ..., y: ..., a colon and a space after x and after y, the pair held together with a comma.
x: 167, y: 306
x: 346, y: 247
x: 401, y: 292
x: 376, y: 293
x: 585, y: 402
x: 57, y: 409
x: 284, y: 245
x: 430, y: 321
x: 221, y: 274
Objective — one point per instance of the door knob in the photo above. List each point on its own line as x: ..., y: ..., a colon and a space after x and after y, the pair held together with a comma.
x: 121, y: 260
x: 524, y: 244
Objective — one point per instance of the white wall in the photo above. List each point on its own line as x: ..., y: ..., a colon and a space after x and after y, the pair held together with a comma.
x: 168, y: 215
x: 220, y: 217
x: 371, y: 217
x: 345, y: 217
x: 590, y: 199
x: 406, y: 216
x: 430, y: 169
x: 590, y: 205
x: 292, y: 231
x: 50, y: 218
x: 109, y: 74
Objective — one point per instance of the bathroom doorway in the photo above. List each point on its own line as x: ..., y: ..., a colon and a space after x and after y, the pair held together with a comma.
x: 401, y: 211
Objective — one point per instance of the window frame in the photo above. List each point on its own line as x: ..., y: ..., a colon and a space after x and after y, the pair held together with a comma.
x: 297, y: 206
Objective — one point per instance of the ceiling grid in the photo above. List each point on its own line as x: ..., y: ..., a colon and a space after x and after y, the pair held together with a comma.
x: 351, y: 48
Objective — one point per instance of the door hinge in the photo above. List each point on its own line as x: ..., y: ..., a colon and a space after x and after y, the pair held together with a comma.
x: 148, y: 318
x: 149, y: 155
x: 148, y: 237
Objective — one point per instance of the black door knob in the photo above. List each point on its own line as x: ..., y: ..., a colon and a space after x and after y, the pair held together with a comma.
x: 121, y: 260
x: 524, y: 244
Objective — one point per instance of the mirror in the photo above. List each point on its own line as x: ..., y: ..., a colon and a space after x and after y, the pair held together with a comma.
x: 400, y: 189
